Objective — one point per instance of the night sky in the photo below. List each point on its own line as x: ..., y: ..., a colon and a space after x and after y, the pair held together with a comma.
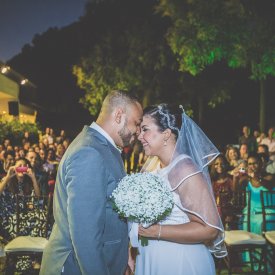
x: 20, y: 20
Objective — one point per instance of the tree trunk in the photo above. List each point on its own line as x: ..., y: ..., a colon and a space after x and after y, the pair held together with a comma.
x: 146, y: 98
x: 200, y: 109
x: 262, y: 106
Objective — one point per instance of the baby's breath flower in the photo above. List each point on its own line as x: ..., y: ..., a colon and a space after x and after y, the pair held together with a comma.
x: 143, y: 198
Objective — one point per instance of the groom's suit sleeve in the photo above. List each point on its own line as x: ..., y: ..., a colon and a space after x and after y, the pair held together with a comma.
x: 86, y: 186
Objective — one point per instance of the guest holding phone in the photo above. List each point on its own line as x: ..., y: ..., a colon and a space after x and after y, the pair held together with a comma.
x: 20, y: 179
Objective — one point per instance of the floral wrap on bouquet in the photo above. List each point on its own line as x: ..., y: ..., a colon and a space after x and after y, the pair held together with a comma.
x: 142, y: 198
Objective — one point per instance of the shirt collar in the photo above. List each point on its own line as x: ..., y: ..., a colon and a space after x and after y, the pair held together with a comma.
x: 96, y: 127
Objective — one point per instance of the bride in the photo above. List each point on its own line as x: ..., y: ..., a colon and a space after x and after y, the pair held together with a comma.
x: 183, y: 242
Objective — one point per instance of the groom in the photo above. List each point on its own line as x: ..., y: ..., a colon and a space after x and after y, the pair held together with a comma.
x: 88, y: 237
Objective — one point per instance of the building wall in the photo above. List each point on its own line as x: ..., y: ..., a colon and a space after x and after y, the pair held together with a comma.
x: 9, y: 91
x: 8, y: 87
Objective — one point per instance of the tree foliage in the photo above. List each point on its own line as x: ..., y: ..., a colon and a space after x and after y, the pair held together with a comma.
x: 240, y: 32
x: 129, y: 53
x: 14, y: 130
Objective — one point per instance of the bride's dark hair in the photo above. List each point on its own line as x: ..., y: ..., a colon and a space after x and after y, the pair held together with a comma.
x: 165, y: 116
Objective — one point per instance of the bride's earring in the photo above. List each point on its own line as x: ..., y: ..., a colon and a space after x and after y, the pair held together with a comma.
x: 165, y: 143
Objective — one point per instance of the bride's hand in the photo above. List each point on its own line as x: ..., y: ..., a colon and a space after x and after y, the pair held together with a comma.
x: 149, y: 232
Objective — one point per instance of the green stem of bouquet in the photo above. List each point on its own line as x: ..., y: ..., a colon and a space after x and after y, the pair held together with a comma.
x: 143, y: 240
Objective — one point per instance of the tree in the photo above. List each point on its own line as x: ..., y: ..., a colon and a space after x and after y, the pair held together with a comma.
x: 239, y: 32
x: 129, y: 52
x: 14, y: 130
x: 47, y: 62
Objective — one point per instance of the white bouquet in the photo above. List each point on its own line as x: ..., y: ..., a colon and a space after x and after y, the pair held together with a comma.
x: 142, y: 198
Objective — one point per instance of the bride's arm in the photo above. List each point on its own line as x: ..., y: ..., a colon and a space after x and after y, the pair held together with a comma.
x: 195, y: 231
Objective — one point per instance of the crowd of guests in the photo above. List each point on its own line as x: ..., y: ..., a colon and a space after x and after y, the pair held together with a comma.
x: 247, y: 166
x: 30, y: 168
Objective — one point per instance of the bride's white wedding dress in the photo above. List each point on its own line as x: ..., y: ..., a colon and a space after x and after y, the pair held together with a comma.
x: 163, y: 257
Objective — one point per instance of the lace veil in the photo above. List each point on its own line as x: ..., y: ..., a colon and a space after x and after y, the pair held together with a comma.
x: 188, y: 176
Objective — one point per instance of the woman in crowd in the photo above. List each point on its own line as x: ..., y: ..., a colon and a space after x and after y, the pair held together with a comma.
x: 232, y: 155
x: 223, y: 187
x: 9, y: 159
x: 258, y: 179
x: 244, y: 151
x: 20, y: 180
x: 40, y: 174
x: 60, y: 150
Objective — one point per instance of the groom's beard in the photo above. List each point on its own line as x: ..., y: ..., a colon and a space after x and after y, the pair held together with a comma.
x: 125, y: 134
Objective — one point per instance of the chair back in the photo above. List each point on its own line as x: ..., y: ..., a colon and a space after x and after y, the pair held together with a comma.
x: 240, y: 207
x: 268, y: 210
x: 33, y: 215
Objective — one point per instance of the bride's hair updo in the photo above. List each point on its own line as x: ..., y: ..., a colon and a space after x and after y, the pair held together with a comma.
x: 166, y: 117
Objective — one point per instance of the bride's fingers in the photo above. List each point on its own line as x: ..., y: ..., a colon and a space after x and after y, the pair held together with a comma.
x: 142, y: 230
x: 146, y: 232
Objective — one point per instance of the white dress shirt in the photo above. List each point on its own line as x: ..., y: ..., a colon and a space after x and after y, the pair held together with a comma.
x: 105, y: 134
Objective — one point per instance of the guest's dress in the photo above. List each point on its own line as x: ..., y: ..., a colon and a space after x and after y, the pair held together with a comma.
x: 164, y: 257
x: 256, y: 218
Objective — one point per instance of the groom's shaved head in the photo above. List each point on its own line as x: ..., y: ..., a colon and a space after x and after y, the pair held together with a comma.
x: 120, y: 117
x: 116, y: 99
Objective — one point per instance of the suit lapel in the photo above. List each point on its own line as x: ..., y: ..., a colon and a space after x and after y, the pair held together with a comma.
x: 115, y: 155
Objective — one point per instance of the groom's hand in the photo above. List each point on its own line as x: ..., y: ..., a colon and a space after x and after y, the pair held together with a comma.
x: 128, y: 271
x: 131, y: 261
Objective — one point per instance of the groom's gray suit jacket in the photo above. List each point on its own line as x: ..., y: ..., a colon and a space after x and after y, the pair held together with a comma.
x: 88, y: 237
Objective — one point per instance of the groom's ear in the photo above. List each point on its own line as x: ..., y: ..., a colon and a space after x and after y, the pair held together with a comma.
x: 118, y: 115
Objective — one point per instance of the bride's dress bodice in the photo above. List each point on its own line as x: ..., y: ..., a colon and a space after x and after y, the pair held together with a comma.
x: 177, y: 216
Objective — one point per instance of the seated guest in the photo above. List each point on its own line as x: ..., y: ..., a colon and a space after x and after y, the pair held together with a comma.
x: 248, y: 139
x: 20, y: 181
x: 232, y: 156
x: 50, y: 163
x: 240, y: 175
x: 60, y: 150
x: 268, y: 164
x: 270, y: 167
x: 270, y: 142
x: 66, y: 143
x: 222, y: 183
x: 258, y: 179
x: 17, y: 181
x: 243, y: 151
x: 26, y: 138
x: 40, y: 174
x: 9, y: 159
x: 61, y: 137
x: 43, y: 155
x: 20, y: 154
